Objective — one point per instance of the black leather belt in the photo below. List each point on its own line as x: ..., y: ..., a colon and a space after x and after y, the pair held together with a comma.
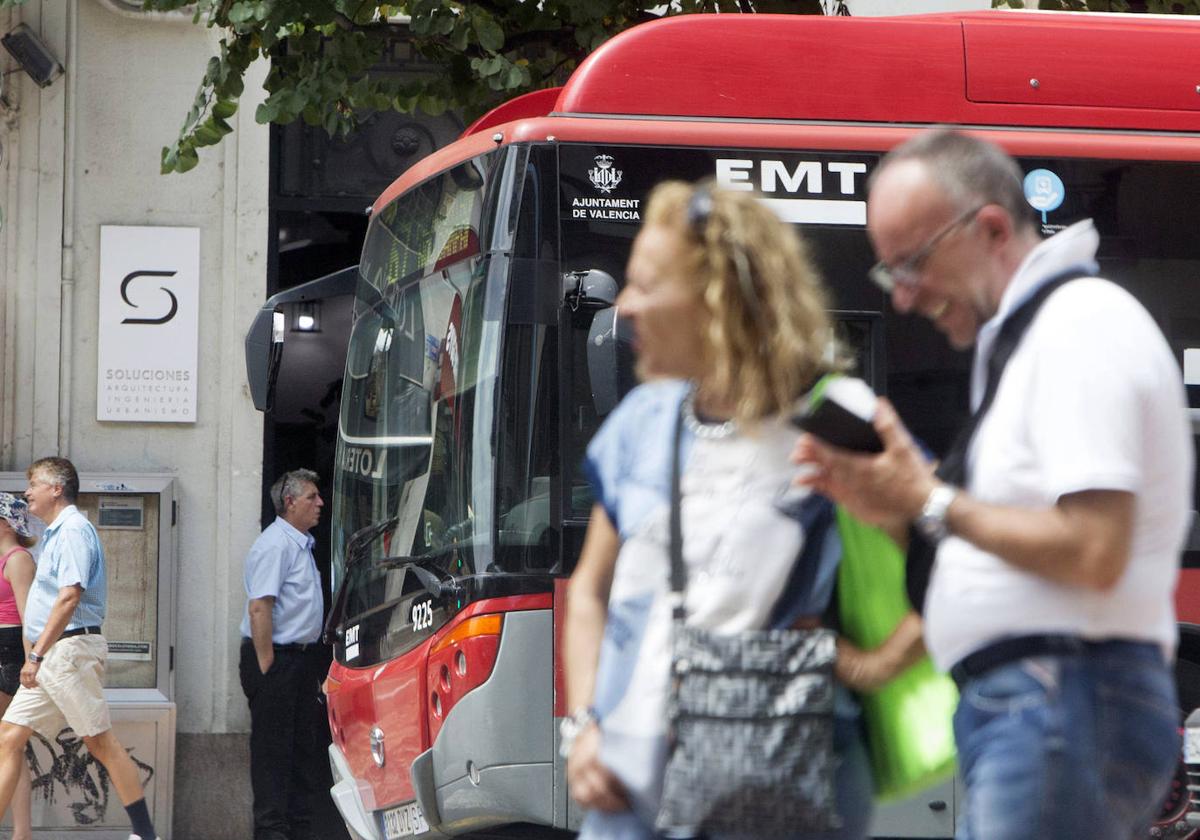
x: 290, y: 647
x: 1010, y: 650
x: 80, y: 631
x: 296, y: 647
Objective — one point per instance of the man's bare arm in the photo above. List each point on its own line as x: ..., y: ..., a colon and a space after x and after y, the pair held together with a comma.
x: 60, y: 616
x: 261, y: 630
x: 1082, y: 540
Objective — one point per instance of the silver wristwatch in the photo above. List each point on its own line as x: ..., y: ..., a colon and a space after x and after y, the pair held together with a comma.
x: 572, y: 726
x: 36, y: 658
x: 932, y: 521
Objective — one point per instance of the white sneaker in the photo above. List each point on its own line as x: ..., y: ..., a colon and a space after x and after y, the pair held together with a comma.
x: 139, y: 837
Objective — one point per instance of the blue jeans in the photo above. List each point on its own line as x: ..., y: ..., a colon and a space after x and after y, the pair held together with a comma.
x: 1068, y: 746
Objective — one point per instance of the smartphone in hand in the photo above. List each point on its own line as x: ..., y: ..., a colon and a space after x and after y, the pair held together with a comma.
x: 839, y: 410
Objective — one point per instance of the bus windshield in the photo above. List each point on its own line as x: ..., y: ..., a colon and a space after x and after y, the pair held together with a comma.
x: 420, y: 380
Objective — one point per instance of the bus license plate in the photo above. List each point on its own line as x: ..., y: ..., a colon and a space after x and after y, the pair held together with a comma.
x: 404, y: 821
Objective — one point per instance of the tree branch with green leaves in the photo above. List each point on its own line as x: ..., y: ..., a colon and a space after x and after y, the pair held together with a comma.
x: 326, y: 55
x: 1156, y: 7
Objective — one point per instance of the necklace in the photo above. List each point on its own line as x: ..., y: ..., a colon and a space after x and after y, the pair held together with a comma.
x: 702, y: 430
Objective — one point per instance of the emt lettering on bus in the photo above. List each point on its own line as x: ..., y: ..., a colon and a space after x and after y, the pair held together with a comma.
x: 774, y: 175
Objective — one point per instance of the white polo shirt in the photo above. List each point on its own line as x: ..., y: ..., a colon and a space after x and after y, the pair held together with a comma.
x: 1092, y: 399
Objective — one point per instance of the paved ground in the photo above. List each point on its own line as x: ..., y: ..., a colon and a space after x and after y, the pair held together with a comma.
x: 214, y: 803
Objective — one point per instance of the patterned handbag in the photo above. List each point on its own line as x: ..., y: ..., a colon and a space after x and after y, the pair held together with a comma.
x: 751, y: 722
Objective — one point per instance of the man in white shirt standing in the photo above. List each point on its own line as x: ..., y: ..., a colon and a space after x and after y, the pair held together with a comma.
x: 280, y: 666
x: 1050, y: 600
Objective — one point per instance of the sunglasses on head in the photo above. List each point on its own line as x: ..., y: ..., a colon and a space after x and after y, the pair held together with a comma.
x: 698, y: 215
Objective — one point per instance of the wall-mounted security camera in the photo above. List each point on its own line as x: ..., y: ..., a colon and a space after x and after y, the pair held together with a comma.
x: 33, y: 56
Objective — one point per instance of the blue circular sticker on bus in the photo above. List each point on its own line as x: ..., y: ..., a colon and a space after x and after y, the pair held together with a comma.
x: 1044, y: 191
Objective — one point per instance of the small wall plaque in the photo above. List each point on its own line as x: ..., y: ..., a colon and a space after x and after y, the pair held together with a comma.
x: 140, y: 651
x: 121, y: 513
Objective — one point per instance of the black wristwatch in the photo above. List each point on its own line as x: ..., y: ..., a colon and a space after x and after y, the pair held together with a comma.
x: 36, y: 658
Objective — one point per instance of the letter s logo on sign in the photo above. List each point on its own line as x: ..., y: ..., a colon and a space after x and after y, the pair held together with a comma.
x: 129, y: 278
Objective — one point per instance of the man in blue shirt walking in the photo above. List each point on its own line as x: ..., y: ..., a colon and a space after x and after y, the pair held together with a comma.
x: 281, y: 661
x: 62, y: 683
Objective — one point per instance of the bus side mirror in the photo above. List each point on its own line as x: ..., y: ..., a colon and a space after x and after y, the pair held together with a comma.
x: 609, y: 342
x: 264, y: 350
x: 610, y: 360
x: 264, y: 341
x: 589, y: 290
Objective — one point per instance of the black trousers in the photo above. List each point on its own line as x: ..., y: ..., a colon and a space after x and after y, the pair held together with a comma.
x: 285, y: 720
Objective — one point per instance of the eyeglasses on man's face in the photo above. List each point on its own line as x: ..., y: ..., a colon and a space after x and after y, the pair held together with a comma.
x: 907, y: 272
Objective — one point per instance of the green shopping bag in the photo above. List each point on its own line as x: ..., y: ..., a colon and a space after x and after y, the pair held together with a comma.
x: 910, y: 736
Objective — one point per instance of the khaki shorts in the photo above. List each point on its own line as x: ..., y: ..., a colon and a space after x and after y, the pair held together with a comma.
x: 70, y: 690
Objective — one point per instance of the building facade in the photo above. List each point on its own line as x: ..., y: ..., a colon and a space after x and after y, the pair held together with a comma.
x: 83, y: 153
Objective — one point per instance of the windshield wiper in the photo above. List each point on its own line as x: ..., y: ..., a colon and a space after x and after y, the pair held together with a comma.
x: 425, y: 570
x: 357, y: 549
x: 360, y: 540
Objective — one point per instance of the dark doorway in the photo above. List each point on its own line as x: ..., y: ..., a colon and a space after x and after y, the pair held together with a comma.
x: 321, y: 193
x: 321, y: 190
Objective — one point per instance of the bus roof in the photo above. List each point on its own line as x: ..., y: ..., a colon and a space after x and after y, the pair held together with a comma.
x: 693, y: 75
x: 1000, y: 67
x: 982, y: 68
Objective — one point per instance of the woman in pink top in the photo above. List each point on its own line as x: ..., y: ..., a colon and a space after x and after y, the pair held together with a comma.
x: 16, y: 576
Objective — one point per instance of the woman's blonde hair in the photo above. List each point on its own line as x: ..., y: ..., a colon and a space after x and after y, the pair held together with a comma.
x: 768, y: 334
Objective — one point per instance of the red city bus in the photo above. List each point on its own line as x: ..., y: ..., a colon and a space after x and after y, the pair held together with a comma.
x: 486, y: 349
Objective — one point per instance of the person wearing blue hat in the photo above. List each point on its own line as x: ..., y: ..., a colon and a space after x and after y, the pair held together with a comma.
x: 16, y: 576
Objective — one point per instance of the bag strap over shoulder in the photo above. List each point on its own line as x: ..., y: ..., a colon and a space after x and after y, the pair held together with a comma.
x: 678, y: 570
x: 953, y: 467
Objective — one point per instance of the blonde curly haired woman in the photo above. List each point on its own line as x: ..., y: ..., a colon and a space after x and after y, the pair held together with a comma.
x: 730, y: 327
